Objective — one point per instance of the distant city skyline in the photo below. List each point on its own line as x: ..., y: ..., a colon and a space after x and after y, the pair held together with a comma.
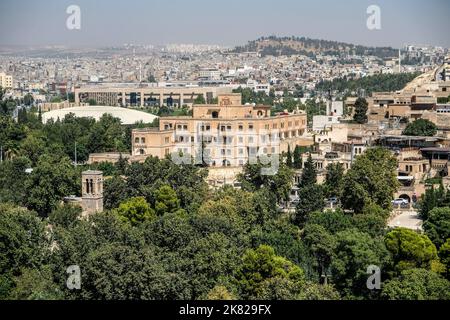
x: 227, y: 23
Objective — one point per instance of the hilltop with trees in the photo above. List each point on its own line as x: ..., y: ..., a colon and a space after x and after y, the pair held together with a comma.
x: 277, y: 46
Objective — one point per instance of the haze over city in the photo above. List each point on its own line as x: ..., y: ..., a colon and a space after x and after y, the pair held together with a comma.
x: 227, y: 23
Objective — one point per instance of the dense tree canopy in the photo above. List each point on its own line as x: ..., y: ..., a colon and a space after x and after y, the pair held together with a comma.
x: 371, y: 179
x: 165, y: 235
x: 420, y: 127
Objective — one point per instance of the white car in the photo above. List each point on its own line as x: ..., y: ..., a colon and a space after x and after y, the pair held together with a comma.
x: 400, y: 201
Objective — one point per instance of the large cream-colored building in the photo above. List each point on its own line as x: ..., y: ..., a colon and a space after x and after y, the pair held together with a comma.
x: 6, y: 81
x: 135, y: 96
x: 226, y: 134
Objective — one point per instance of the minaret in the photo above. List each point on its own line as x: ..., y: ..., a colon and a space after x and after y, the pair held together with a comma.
x: 399, y: 61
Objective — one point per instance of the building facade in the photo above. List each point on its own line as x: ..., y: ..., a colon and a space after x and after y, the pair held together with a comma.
x: 134, y: 96
x: 6, y: 81
x: 226, y: 134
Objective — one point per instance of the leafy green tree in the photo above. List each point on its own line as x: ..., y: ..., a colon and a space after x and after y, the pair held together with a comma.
x: 410, y: 249
x: 23, y: 244
x: 118, y: 272
x: 65, y: 215
x: 36, y: 284
x: 28, y: 99
x: 420, y: 127
x: 374, y: 83
x: 135, y: 211
x: 200, y: 99
x: 322, y: 246
x: 166, y: 201
x: 211, y: 259
x: 437, y: 226
x: 355, y: 251
x: 444, y: 255
x: 262, y: 264
x: 417, y: 284
x: 280, y: 184
x: 371, y: 179
x: 332, y: 220
x: 314, y: 291
x: 361, y: 108
x: 51, y: 180
x: 220, y: 292
x: 13, y: 179
x: 115, y: 192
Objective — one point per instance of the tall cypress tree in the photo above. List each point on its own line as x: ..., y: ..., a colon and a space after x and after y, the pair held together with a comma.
x: 309, y: 174
x: 289, y: 157
x: 428, y: 203
x: 297, y: 158
x: 361, y: 107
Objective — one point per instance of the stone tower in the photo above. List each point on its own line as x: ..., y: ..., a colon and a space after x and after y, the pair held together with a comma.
x: 92, y: 191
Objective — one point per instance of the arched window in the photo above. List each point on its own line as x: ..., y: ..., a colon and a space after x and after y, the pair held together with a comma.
x: 87, y: 186
x: 91, y: 183
x: 136, y: 140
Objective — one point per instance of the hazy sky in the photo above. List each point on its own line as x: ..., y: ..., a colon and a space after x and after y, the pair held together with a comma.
x: 226, y: 22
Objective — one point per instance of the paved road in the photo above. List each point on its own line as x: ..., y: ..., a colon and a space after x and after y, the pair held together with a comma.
x: 407, y: 219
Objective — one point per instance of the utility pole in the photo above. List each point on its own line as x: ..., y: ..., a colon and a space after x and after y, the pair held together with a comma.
x: 75, y: 164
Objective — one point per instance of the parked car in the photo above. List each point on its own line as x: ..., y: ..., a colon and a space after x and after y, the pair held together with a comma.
x: 400, y: 201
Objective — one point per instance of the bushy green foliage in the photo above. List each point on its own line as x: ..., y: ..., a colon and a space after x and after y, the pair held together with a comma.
x: 437, y: 226
x: 375, y: 83
x: 371, y: 179
x: 410, y: 249
x: 417, y: 284
x: 420, y: 127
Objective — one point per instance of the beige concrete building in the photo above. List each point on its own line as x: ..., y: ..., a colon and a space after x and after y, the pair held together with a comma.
x: 50, y: 106
x: 135, y: 96
x: 226, y: 134
x: 6, y: 81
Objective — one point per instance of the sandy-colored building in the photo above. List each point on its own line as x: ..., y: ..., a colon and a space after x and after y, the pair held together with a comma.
x: 6, y: 81
x: 135, y: 96
x: 226, y: 134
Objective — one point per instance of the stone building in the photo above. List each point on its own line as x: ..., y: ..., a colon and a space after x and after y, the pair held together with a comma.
x: 92, y: 191
x: 225, y: 134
